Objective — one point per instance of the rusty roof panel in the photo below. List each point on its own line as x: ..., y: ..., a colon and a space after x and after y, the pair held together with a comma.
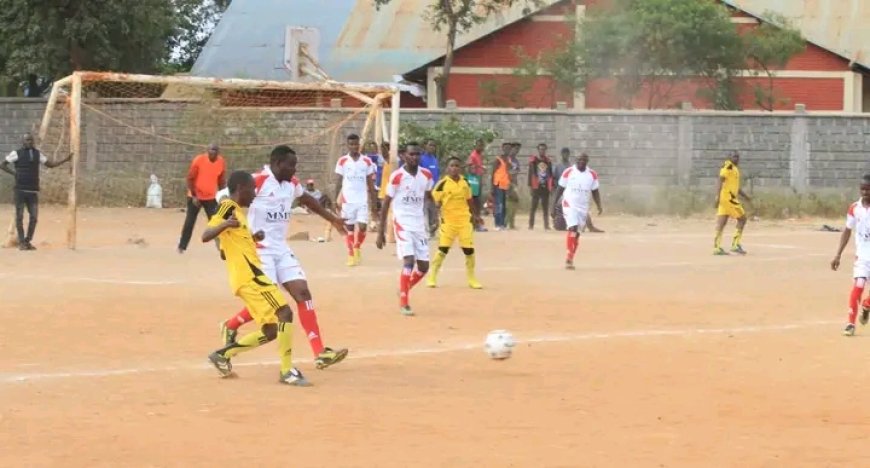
x: 841, y: 26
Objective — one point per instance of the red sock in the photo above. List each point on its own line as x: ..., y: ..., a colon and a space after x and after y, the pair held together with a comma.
x: 854, y: 298
x: 360, y: 238
x: 404, y: 286
x: 239, y: 319
x: 348, y: 240
x: 572, y: 242
x: 308, y: 319
x: 416, y: 276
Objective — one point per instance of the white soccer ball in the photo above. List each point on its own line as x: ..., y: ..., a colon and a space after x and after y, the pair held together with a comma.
x: 499, y: 344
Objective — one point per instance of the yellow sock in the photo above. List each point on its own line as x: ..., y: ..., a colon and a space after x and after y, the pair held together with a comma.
x: 285, y: 346
x: 247, y: 343
x: 738, y: 236
x: 717, y: 243
x: 469, y: 266
x: 437, y: 263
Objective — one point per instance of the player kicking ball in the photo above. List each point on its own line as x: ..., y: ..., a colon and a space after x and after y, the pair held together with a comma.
x: 275, y: 189
x: 261, y: 297
x: 858, y: 220
x: 409, y: 186
x: 458, y: 217
x: 576, y: 184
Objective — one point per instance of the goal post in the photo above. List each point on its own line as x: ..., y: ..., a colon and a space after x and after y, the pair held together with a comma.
x: 122, y: 128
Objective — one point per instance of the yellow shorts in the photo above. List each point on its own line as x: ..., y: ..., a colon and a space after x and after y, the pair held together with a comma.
x: 262, y: 301
x: 732, y: 210
x: 449, y: 232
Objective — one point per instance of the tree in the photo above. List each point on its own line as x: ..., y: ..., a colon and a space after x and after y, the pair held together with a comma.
x: 51, y: 38
x: 655, y: 44
x: 195, y: 22
x: 454, y: 138
x: 768, y: 47
x: 457, y: 17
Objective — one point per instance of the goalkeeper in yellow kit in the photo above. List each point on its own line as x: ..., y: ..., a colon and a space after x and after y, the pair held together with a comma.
x: 453, y: 196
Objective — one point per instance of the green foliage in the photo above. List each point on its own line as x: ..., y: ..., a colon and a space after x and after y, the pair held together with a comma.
x: 655, y: 44
x: 768, y: 47
x: 195, y: 21
x: 454, y: 138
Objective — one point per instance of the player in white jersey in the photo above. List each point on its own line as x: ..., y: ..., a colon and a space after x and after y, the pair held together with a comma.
x: 858, y: 220
x: 276, y: 189
x: 355, y: 193
x: 407, y: 191
x: 576, y: 184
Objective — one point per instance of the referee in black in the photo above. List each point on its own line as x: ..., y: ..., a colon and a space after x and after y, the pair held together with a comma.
x: 26, y: 161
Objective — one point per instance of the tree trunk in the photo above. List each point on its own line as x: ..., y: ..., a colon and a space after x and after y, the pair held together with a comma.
x: 448, y: 64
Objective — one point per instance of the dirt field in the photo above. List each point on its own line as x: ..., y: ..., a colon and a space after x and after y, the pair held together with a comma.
x: 652, y: 353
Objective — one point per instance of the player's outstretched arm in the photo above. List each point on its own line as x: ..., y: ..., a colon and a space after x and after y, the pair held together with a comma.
x: 597, y: 197
x: 382, y: 224
x: 5, y: 167
x: 314, y: 206
x: 844, y: 241
x: 212, y: 232
x: 339, y: 180
x: 53, y: 164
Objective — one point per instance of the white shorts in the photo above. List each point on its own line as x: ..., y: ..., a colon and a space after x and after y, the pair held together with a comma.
x: 355, y: 213
x: 575, y: 217
x: 281, y: 267
x: 861, y: 269
x: 412, y: 244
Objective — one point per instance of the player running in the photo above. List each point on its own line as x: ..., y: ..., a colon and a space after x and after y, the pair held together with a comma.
x: 458, y: 217
x: 409, y: 186
x: 276, y: 189
x: 728, y: 205
x: 261, y: 297
x: 355, y: 192
x: 858, y: 220
x: 576, y: 183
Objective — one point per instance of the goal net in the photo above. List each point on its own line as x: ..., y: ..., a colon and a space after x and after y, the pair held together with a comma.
x: 121, y: 129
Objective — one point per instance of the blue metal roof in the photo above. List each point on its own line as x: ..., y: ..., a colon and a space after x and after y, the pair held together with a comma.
x: 248, y: 42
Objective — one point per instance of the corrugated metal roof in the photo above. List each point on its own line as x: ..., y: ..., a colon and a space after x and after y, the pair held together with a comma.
x: 248, y: 42
x: 841, y: 26
x: 398, y: 38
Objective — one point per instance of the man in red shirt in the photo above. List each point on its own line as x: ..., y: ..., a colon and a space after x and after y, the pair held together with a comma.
x: 474, y: 176
x: 207, y: 175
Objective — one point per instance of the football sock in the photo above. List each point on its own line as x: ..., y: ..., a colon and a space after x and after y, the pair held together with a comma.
x: 416, y: 276
x: 572, y: 243
x: 360, y: 238
x: 469, y: 266
x: 854, y: 298
x: 348, y: 240
x: 717, y: 242
x: 404, y: 286
x: 308, y: 320
x: 738, y: 236
x: 248, y: 342
x: 239, y: 319
x: 436, y: 264
x: 285, y: 346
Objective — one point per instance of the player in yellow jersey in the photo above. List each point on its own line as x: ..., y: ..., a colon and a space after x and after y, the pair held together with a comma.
x: 247, y: 280
x: 728, y: 205
x: 458, y: 217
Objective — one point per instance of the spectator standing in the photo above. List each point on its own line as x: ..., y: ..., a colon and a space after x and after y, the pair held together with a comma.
x: 207, y: 175
x: 474, y: 176
x: 541, y: 183
x: 501, y: 183
x: 429, y: 161
x: 513, y: 196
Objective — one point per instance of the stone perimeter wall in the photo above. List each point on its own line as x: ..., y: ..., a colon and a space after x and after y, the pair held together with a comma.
x: 628, y: 149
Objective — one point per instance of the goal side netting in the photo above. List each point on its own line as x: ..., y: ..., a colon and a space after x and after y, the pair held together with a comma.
x: 121, y: 129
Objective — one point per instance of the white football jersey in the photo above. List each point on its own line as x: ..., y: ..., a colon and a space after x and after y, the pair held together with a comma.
x: 271, y: 209
x: 355, y: 176
x: 858, y: 220
x: 578, y: 187
x: 408, y: 193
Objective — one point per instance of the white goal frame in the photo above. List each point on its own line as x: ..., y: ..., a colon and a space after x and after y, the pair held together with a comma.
x: 70, y: 89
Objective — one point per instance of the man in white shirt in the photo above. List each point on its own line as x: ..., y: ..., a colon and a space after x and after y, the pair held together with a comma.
x: 355, y: 193
x: 276, y: 189
x: 27, y: 161
x: 576, y: 184
x: 857, y: 220
x: 407, y: 191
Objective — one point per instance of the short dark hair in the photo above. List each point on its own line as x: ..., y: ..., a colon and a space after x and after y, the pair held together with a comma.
x: 238, y: 179
x: 431, y: 140
x: 280, y: 154
x: 542, y: 144
x: 410, y: 144
x: 865, y: 180
x: 353, y: 137
x: 454, y: 158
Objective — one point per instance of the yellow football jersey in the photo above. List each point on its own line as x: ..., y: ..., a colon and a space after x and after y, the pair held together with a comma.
x: 453, y: 195
x: 731, y: 185
x: 237, y: 244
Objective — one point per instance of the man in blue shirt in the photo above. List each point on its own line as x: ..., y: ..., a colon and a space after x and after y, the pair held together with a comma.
x: 429, y: 160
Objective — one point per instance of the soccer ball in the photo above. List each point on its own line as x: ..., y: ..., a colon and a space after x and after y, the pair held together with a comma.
x: 499, y: 344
